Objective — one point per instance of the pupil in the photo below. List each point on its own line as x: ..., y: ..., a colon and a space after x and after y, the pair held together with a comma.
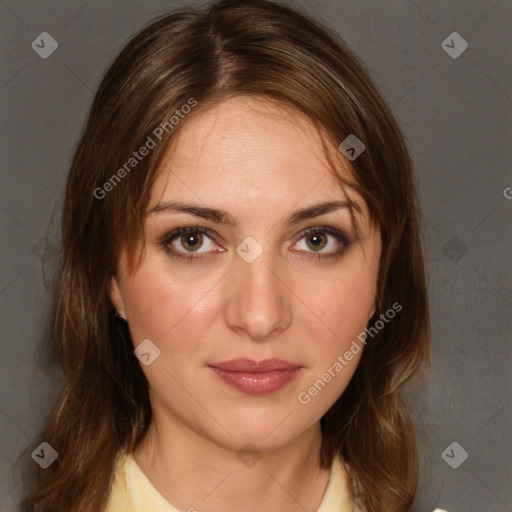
x: 191, y: 240
x: 315, y: 240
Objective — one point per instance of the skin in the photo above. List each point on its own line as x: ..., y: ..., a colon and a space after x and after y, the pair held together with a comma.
x: 246, y: 156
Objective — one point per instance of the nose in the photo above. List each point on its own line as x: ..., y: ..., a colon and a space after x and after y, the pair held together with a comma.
x: 259, y: 304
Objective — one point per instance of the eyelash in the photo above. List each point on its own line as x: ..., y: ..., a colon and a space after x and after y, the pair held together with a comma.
x: 340, y: 236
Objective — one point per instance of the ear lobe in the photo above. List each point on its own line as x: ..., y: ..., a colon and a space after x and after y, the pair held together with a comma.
x: 116, y: 297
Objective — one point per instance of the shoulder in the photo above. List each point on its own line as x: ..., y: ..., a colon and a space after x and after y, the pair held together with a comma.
x: 355, y: 490
x: 132, y: 491
x: 339, y: 495
x: 119, y: 496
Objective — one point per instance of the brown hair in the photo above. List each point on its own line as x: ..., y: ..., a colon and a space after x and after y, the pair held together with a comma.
x: 229, y: 48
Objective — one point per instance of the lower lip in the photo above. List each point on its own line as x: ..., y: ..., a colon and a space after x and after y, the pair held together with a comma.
x: 257, y: 383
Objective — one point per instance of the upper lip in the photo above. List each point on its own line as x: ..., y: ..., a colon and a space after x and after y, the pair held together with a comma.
x: 248, y: 365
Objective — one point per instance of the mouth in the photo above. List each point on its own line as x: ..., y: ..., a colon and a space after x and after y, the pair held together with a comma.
x: 256, y: 378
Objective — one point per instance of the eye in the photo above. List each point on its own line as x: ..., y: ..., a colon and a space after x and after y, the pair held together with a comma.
x: 184, y: 242
x: 317, y: 239
x: 192, y: 242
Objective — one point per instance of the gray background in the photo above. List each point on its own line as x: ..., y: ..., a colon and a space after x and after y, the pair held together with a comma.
x: 456, y: 115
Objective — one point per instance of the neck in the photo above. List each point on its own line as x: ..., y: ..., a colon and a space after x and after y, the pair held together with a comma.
x: 193, y: 472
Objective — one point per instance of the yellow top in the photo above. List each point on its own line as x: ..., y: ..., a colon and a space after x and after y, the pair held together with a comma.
x: 133, y: 492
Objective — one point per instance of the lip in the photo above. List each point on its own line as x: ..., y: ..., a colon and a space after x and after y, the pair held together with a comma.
x: 256, y: 378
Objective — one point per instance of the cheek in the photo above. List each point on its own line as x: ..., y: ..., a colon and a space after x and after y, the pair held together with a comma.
x: 342, y: 309
x: 347, y: 305
x: 342, y: 302
x: 161, y: 306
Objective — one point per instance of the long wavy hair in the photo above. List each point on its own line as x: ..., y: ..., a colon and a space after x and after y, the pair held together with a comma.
x: 226, y: 49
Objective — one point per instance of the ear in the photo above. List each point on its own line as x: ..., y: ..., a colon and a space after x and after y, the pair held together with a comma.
x: 116, y: 297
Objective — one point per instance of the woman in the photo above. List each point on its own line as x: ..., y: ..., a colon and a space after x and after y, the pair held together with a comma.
x: 243, y: 298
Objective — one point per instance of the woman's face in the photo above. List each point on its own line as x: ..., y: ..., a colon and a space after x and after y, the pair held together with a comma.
x: 251, y: 284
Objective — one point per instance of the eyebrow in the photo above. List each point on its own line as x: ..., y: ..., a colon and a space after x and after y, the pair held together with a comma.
x: 222, y: 217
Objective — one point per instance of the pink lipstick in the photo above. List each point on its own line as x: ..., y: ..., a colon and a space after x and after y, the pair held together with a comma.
x: 256, y: 378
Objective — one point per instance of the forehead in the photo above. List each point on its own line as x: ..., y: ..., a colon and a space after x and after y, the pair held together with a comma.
x: 251, y: 153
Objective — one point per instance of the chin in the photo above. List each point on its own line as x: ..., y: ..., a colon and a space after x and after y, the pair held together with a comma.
x: 259, y: 434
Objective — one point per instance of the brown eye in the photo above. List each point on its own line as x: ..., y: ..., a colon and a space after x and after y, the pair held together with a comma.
x: 316, y: 241
x: 184, y: 242
x: 191, y: 241
x: 319, y: 238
